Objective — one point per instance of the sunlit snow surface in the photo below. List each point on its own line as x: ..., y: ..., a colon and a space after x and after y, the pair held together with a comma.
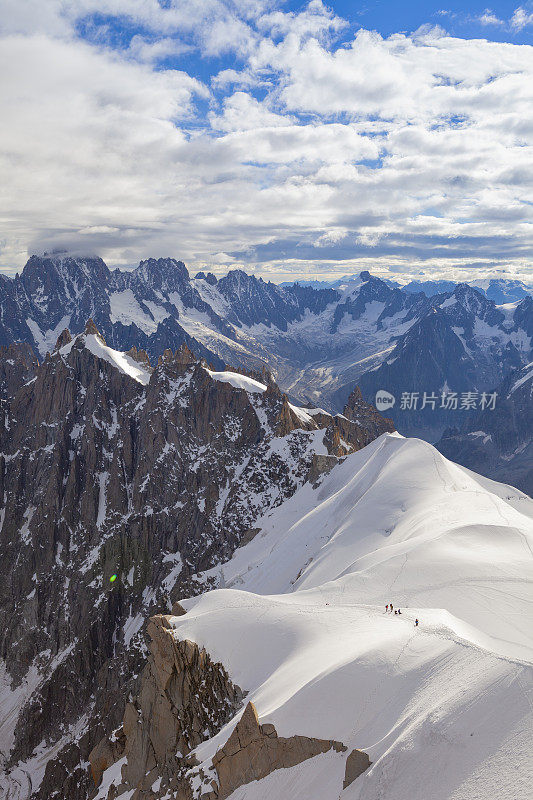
x: 444, y: 710
x: 122, y: 361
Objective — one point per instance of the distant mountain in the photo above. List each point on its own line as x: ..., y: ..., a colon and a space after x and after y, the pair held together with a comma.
x: 338, y: 283
x: 504, y: 290
x: 317, y: 343
x: 500, y: 290
x: 464, y: 344
x: 499, y: 442
x: 118, y: 482
x: 429, y: 287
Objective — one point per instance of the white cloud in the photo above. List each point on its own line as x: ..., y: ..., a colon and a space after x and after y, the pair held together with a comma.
x: 146, y: 51
x: 315, y: 20
x: 390, y: 151
x: 242, y: 112
x: 489, y: 18
x: 521, y: 19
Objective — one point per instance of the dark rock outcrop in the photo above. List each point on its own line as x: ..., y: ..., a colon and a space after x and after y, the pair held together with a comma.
x: 184, y: 698
x: 356, y: 763
x: 253, y: 751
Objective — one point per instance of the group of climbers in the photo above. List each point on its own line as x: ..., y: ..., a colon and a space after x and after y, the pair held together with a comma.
x: 398, y: 611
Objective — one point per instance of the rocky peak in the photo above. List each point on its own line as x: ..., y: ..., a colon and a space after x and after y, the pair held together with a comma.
x: 472, y: 301
x: 141, y: 356
x: 371, y: 290
x: 184, y: 356
x: 208, y: 278
x: 254, y: 301
x: 91, y: 329
x: 163, y: 273
x: 51, y: 279
x: 63, y: 339
x: 366, y: 415
x: 40, y: 270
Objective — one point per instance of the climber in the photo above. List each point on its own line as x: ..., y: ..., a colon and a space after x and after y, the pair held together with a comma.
x: 399, y: 611
x: 387, y: 607
x: 416, y: 623
x: 391, y: 608
x: 395, y: 611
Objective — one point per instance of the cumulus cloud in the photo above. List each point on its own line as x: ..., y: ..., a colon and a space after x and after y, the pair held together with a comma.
x: 308, y: 150
x: 150, y: 51
x: 489, y: 18
x: 521, y: 19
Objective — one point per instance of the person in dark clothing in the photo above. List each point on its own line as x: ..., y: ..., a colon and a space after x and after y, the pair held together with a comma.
x: 399, y: 611
x: 395, y: 611
x: 391, y: 608
x: 416, y: 623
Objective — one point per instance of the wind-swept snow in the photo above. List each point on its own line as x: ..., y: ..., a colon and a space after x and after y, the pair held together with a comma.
x: 238, y: 381
x: 444, y: 710
x: 255, y: 387
x: 528, y: 375
x: 122, y: 361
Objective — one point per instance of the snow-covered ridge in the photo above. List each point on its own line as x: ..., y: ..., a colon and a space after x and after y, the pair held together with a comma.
x: 122, y: 361
x: 440, y: 708
x: 239, y: 381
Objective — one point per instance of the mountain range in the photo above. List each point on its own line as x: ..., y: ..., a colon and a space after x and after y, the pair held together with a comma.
x: 500, y: 290
x: 196, y: 565
x: 441, y: 357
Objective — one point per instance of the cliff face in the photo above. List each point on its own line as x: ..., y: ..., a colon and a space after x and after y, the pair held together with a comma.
x: 185, y: 699
x: 118, y: 483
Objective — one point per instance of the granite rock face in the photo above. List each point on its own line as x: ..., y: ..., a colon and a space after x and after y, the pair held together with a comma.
x: 115, y: 493
x: 356, y: 763
x: 18, y: 365
x: 253, y: 751
x: 184, y: 699
x: 168, y: 719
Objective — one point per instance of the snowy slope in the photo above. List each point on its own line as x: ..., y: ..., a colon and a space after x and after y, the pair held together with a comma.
x: 122, y: 361
x: 444, y: 710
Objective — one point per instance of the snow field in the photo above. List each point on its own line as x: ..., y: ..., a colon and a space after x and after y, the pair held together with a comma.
x: 444, y: 710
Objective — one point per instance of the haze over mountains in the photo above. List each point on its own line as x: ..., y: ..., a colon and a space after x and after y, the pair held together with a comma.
x: 318, y: 343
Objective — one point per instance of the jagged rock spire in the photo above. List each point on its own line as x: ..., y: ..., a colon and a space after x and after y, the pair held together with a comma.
x: 141, y: 356
x: 63, y: 339
x: 184, y: 355
x: 91, y: 329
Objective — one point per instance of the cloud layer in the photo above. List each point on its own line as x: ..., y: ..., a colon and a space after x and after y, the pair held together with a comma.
x: 305, y: 147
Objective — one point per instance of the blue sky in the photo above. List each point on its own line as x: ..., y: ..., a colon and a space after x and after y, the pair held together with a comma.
x: 289, y: 139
